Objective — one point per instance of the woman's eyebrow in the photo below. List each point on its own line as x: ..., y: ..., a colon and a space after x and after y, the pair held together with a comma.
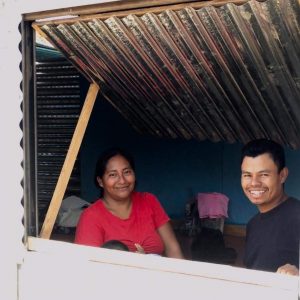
x: 112, y: 170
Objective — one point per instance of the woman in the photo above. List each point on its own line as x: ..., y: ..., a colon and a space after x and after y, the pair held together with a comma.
x: 137, y: 219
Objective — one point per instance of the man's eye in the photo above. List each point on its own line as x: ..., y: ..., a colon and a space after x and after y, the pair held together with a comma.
x: 246, y: 176
x: 112, y: 175
x: 127, y: 172
x: 264, y: 174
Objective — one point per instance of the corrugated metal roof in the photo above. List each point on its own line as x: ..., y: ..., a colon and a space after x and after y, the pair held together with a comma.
x: 228, y: 73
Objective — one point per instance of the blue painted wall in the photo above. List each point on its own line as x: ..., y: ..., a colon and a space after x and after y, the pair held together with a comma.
x: 174, y: 170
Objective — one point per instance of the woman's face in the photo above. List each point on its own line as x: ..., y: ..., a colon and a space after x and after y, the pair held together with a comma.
x: 118, y: 180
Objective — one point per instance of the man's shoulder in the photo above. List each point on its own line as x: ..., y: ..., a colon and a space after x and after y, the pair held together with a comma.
x: 289, y: 211
x: 293, y: 202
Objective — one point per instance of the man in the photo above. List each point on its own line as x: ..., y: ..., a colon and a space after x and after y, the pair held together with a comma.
x: 272, y: 237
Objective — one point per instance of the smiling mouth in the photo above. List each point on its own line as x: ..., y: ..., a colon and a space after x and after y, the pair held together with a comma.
x: 122, y: 188
x: 256, y: 194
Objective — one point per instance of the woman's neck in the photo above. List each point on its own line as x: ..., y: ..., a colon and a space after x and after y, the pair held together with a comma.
x: 121, y: 209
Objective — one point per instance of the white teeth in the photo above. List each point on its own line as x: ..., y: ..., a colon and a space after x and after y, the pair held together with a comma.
x: 256, y: 193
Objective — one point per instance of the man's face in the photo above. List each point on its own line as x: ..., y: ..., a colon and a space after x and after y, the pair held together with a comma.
x: 261, y: 181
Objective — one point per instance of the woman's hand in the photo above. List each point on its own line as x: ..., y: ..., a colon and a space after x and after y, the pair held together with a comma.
x: 288, y: 269
x: 139, y: 248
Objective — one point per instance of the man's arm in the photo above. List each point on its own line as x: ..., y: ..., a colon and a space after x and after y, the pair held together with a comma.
x: 288, y: 269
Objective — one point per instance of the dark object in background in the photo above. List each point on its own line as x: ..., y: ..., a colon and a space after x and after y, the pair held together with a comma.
x: 115, y: 245
x: 209, y: 246
x: 192, y: 222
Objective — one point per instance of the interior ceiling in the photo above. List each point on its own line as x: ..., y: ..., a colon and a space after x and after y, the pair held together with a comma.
x: 229, y: 73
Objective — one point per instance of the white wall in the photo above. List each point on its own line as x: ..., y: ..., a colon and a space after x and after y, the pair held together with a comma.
x: 11, y: 211
x: 63, y: 271
x: 11, y: 155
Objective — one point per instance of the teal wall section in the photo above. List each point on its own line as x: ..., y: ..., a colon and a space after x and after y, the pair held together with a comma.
x: 174, y: 170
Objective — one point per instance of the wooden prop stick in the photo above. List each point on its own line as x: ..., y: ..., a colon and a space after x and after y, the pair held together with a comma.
x: 69, y: 162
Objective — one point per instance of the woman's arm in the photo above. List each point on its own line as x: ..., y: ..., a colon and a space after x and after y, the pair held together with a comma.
x: 172, y: 247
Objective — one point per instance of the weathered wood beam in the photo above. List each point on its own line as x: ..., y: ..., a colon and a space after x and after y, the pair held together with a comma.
x: 126, y: 7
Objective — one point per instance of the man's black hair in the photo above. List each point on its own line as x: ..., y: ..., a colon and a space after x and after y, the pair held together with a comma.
x: 261, y: 146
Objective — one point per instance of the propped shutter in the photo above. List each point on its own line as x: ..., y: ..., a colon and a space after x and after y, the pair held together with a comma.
x: 58, y: 109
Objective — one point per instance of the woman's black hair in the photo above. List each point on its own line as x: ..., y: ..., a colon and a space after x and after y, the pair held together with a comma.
x: 105, y: 157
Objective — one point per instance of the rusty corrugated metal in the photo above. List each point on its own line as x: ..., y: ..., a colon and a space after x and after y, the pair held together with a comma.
x: 229, y: 73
